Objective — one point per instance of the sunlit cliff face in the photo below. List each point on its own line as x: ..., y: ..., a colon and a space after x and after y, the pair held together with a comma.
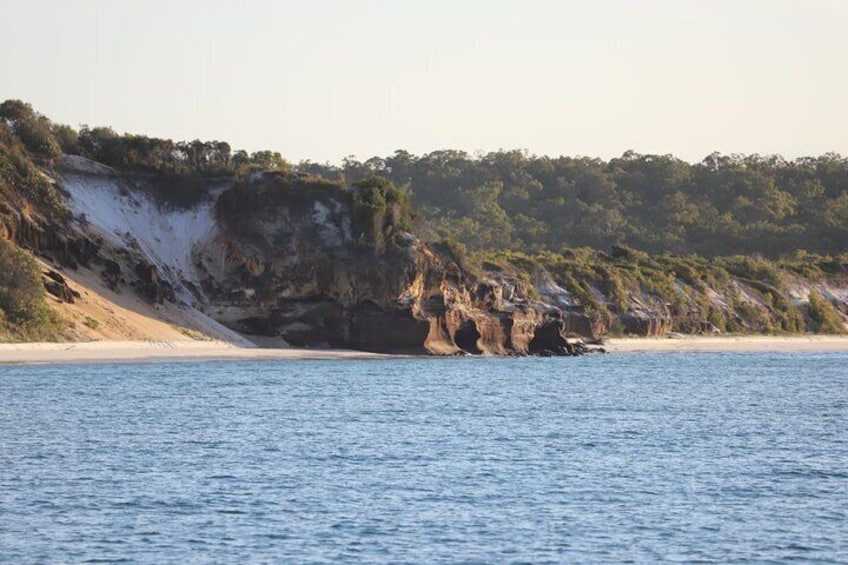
x: 288, y: 262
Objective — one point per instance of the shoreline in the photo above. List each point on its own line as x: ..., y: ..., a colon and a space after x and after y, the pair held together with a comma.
x: 728, y: 344
x: 107, y: 351
x: 164, y: 350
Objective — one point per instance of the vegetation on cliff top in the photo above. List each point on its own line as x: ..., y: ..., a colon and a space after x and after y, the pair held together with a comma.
x: 24, y: 189
x: 724, y: 205
x: 248, y: 200
x: 131, y: 152
x: 380, y: 210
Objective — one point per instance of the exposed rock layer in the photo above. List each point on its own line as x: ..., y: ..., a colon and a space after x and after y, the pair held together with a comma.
x: 282, y: 256
x: 299, y: 268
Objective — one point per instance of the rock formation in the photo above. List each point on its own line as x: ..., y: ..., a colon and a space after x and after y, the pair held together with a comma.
x: 291, y: 261
x: 311, y: 263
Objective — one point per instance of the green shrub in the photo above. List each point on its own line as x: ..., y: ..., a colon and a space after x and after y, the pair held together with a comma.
x: 22, y: 184
x: 717, y: 318
x: 457, y: 251
x: 22, y: 305
x: 754, y: 268
x: 824, y: 317
x: 34, y: 130
x: 627, y: 254
x: 380, y: 209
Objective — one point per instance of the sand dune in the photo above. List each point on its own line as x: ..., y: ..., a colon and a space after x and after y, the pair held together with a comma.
x: 105, y: 325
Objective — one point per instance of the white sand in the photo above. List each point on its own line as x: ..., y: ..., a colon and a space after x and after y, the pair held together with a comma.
x: 171, y: 350
x: 165, y: 237
x: 103, y: 351
x: 817, y: 343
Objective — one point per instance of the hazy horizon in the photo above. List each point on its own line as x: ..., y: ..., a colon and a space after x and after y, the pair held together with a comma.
x: 331, y: 79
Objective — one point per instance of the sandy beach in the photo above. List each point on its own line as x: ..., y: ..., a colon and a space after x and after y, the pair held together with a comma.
x: 170, y: 350
x: 682, y: 344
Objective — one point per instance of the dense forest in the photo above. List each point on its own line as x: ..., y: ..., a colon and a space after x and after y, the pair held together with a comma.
x: 724, y: 205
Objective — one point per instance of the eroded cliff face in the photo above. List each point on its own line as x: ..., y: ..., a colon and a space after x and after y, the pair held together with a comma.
x: 292, y: 261
x: 298, y: 260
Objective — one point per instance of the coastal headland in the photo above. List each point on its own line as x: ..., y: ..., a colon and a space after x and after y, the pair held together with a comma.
x: 107, y: 237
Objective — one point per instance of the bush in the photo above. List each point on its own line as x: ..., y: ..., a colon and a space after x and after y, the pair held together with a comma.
x: 627, y: 254
x: 22, y: 306
x: 33, y: 129
x: 380, y: 209
x: 824, y: 317
x: 22, y: 185
x: 755, y: 269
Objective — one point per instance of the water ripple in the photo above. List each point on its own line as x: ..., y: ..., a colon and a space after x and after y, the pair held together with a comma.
x: 701, y: 458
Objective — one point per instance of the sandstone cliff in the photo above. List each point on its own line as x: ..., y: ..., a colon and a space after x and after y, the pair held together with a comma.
x: 288, y: 258
x: 294, y: 258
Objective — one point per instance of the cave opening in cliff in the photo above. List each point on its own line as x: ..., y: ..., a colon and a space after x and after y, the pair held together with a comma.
x: 466, y: 337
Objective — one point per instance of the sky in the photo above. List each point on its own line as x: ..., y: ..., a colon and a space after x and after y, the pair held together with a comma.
x: 325, y: 79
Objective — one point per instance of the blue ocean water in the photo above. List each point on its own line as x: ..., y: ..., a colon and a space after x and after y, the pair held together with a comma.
x: 620, y: 458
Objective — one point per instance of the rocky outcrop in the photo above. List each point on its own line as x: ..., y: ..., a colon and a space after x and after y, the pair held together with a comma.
x: 56, y: 285
x: 149, y: 285
x: 645, y: 322
x: 292, y: 262
x: 48, y: 237
x: 313, y: 263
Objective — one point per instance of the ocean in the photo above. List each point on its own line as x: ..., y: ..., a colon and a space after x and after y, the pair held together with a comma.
x: 638, y: 458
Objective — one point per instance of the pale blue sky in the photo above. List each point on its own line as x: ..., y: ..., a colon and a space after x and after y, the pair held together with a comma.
x: 327, y: 78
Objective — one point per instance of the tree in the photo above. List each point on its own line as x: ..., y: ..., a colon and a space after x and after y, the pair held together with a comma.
x: 33, y: 129
x: 269, y: 160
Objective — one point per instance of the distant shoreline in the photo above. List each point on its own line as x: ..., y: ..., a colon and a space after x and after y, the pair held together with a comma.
x: 722, y: 344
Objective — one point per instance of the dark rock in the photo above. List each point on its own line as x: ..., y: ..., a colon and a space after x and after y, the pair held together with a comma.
x: 150, y: 286
x: 707, y: 327
x: 372, y: 328
x: 646, y: 323
x: 111, y: 268
x: 550, y: 338
x: 51, y: 238
x: 60, y: 290
x: 53, y: 275
x: 111, y: 274
x: 466, y: 336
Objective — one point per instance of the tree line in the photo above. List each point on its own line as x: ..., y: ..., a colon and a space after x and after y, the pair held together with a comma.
x: 131, y: 152
x: 723, y: 205
x: 510, y: 200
